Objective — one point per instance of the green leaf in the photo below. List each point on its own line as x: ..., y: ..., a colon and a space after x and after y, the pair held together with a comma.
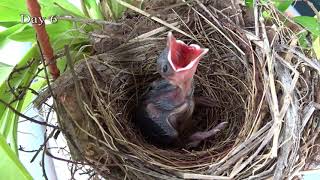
x: 12, y: 126
x: 19, y: 81
x: 70, y: 38
x: 54, y: 30
x: 282, y: 5
x: 115, y: 10
x: 303, y: 39
x: 2, y: 64
x: 8, y: 24
x: 267, y: 14
x: 8, y: 126
x: 10, y: 166
x: 58, y: 8
x: 14, y: 29
x: 309, y: 23
x: 93, y: 9
x: 5, y: 70
x: 249, y: 3
x: 21, y: 78
x: 37, y: 84
x: 10, y: 11
x: 316, y: 47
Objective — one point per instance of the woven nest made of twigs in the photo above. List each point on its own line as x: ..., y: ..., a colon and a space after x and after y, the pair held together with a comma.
x: 256, y: 76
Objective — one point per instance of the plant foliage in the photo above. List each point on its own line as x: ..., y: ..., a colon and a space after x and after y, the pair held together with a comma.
x: 15, y: 81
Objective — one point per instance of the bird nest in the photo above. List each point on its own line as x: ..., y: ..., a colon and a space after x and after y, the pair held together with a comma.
x: 255, y: 77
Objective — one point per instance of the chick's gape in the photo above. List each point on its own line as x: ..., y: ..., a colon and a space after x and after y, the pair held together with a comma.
x: 166, y: 110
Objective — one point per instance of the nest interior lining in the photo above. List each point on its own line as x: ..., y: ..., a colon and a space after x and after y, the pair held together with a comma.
x: 127, y: 79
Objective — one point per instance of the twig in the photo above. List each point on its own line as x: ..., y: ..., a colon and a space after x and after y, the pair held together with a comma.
x: 201, y: 176
x: 87, y: 21
x: 65, y: 160
x: 43, y: 159
x: 77, y: 83
x: 314, y: 9
x: 290, y: 135
x: 27, y: 151
x: 12, y: 89
x: 256, y: 18
x: 264, y: 174
x: 307, y: 113
x: 274, y: 106
x: 316, y: 105
x: 238, y: 152
x: 265, y: 141
x: 26, y: 117
x: 215, y: 27
x: 154, y: 18
x: 42, y: 146
x: 303, y: 58
x: 151, y: 33
x: 45, y: 71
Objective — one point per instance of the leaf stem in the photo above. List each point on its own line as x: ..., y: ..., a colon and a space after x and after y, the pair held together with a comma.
x: 42, y: 35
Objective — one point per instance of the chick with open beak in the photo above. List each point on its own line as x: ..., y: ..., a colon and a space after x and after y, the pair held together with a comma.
x: 166, y: 110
